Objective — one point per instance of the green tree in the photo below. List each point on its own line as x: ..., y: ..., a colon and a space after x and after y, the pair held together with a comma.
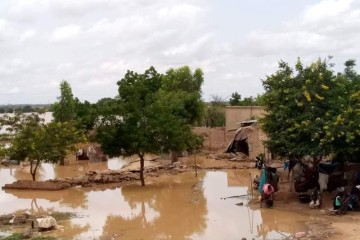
x: 186, y: 83
x: 38, y: 142
x: 235, y: 99
x: 85, y: 114
x: 64, y: 109
x: 299, y: 103
x: 343, y: 128
x: 147, y: 119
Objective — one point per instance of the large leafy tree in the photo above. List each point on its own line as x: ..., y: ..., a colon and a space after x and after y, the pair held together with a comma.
x: 64, y: 109
x: 71, y: 109
x: 38, y: 142
x: 187, y: 85
x: 299, y: 103
x: 343, y: 129
x: 149, y: 117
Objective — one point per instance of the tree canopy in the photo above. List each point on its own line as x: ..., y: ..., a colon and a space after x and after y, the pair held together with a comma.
x: 64, y: 109
x: 152, y: 115
x: 309, y: 110
x: 38, y: 142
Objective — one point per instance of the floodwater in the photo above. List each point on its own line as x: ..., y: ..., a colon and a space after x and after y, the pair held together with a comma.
x: 175, y: 207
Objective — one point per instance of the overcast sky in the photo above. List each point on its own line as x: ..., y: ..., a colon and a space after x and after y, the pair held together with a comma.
x: 91, y: 43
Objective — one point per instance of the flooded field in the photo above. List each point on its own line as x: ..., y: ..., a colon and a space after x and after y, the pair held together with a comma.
x: 171, y: 207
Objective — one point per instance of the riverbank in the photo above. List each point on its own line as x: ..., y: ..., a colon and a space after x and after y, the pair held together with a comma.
x: 129, y: 173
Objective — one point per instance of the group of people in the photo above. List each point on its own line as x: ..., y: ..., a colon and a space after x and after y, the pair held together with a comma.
x: 265, y: 183
x: 346, y: 201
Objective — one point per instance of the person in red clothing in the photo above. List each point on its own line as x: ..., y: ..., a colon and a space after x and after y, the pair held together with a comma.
x: 267, y: 195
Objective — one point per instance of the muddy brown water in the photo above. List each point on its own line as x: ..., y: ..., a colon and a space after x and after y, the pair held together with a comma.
x: 171, y: 207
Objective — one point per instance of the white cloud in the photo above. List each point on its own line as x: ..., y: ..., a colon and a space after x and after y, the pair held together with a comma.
x: 28, y: 34
x: 14, y: 90
x: 189, y: 48
x: 27, y: 10
x: 64, y: 66
x: 2, y: 24
x: 65, y: 33
x: 91, y: 43
x: 179, y: 11
x: 326, y: 9
x: 116, y: 66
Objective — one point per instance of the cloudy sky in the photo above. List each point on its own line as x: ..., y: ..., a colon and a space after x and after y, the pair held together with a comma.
x: 91, y: 43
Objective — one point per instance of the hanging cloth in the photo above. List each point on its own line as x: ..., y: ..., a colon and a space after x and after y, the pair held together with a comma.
x: 323, y: 181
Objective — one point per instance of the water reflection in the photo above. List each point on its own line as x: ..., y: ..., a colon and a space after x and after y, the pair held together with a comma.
x: 175, y: 210
x: 50, y: 171
x: 177, y: 207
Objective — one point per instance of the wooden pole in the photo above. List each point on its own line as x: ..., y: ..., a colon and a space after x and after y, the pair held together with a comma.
x: 251, y: 186
x: 195, y: 166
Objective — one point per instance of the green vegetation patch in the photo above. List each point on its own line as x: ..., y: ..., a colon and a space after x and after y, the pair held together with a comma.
x: 14, y: 236
x: 59, y: 216
x: 44, y: 238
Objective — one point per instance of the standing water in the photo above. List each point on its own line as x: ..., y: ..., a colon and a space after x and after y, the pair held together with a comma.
x: 173, y: 207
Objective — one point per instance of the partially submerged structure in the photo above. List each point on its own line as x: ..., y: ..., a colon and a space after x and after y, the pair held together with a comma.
x: 248, y: 139
x: 90, y: 152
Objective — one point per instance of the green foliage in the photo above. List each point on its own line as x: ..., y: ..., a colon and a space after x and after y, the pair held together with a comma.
x: 23, y: 108
x: 64, y: 110
x: 61, y: 216
x: 85, y: 114
x: 153, y: 114
x: 39, y: 142
x: 188, y: 85
x: 215, y: 112
x: 312, y: 111
x: 14, y: 236
x: 214, y: 116
x: 235, y: 99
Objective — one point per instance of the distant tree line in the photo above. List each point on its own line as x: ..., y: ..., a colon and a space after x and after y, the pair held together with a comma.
x: 214, y: 114
x: 24, y: 108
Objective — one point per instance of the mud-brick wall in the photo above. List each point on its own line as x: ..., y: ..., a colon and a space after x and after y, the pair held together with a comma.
x: 256, y: 139
x: 215, y: 138
x: 236, y: 114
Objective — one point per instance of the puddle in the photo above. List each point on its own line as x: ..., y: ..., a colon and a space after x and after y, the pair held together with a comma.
x: 182, y: 207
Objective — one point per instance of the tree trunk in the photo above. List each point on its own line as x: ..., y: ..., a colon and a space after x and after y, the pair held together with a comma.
x: 195, y: 166
x: 142, y: 168
x: 62, y: 161
x: 174, y: 157
x: 33, y: 169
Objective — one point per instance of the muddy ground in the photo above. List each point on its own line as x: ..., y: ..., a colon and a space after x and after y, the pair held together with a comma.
x: 329, y: 227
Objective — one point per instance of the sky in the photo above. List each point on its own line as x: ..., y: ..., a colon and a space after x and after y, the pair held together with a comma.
x: 92, y: 43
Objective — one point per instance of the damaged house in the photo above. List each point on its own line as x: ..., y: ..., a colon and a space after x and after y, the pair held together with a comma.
x: 248, y: 139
